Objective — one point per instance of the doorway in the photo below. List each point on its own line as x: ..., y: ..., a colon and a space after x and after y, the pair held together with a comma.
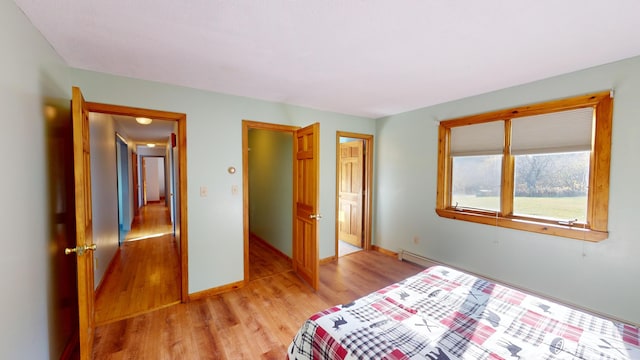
x: 85, y: 246
x: 154, y: 179
x: 298, y: 213
x: 354, y: 164
x: 267, y: 179
x: 179, y: 152
x: 140, y: 272
x: 270, y: 173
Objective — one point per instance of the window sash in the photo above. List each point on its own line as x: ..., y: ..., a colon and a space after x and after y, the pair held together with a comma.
x: 478, y: 139
x: 562, y: 131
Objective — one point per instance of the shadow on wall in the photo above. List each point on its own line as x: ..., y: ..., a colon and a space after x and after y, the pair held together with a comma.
x: 61, y: 291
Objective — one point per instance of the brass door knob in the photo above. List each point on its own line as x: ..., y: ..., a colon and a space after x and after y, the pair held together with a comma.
x: 80, y: 250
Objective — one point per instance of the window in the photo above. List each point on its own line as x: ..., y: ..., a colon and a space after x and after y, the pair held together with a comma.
x: 541, y: 168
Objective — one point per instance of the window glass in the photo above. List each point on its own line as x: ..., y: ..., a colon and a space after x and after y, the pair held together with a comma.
x: 476, y: 182
x: 552, y: 186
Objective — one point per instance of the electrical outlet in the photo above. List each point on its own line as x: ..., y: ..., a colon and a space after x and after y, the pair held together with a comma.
x: 416, y: 239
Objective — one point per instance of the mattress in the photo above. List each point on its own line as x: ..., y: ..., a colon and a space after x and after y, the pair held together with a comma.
x: 442, y: 313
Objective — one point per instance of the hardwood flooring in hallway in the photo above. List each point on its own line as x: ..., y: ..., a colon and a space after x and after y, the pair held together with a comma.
x: 145, y: 274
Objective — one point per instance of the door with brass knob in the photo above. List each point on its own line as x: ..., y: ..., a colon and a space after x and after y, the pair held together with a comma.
x: 84, y: 233
x: 305, y: 191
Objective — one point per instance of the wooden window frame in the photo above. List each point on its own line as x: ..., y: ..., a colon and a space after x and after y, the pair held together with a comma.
x: 595, y: 228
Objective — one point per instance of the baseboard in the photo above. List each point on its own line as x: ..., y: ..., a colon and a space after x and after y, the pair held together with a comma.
x: 215, y: 291
x: 404, y: 255
x: 328, y: 260
x: 384, y: 251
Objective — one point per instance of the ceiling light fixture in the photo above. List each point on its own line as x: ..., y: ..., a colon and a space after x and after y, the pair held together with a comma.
x: 151, y: 145
x: 143, y: 120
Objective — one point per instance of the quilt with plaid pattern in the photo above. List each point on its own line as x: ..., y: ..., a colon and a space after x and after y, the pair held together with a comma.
x: 442, y: 313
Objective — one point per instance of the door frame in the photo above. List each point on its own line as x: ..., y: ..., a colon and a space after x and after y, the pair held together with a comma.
x: 246, y: 126
x: 122, y: 184
x: 368, y: 184
x: 181, y: 118
x: 135, y: 183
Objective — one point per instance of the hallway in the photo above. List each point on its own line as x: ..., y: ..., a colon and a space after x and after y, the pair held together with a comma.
x: 145, y: 272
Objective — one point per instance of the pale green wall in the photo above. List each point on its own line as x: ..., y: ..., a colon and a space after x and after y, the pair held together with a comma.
x: 271, y: 187
x: 602, y: 276
x: 33, y: 76
x: 214, y: 142
x: 104, y: 191
x: 34, y: 199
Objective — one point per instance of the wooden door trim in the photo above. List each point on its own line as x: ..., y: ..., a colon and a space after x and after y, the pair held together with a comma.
x: 181, y: 118
x: 368, y: 183
x: 246, y: 126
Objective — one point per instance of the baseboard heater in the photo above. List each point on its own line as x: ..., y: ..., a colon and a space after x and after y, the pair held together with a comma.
x: 404, y: 255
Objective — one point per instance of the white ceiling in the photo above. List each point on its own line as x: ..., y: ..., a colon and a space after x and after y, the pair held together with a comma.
x: 363, y: 57
x: 158, y: 132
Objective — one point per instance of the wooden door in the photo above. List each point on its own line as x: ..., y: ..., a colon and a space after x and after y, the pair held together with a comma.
x: 136, y: 185
x: 144, y: 181
x: 84, y: 240
x: 305, y: 197
x: 350, y: 190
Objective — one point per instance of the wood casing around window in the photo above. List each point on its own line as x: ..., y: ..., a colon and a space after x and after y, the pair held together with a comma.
x: 595, y: 228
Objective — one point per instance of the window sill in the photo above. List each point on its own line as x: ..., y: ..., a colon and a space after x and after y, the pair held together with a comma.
x: 573, y: 232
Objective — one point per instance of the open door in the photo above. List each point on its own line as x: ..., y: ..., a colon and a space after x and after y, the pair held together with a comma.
x: 135, y: 185
x: 305, y: 197
x: 350, y: 192
x: 143, y: 170
x: 84, y: 239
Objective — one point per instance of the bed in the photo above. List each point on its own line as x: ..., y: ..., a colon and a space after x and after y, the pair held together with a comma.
x: 442, y: 313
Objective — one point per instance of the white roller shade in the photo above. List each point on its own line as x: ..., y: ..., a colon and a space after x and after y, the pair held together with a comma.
x: 563, y: 131
x: 478, y: 139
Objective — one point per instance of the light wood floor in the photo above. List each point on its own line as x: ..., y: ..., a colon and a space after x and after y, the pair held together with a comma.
x: 264, y: 262
x: 152, y: 220
x: 145, y: 274
x: 257, y: 321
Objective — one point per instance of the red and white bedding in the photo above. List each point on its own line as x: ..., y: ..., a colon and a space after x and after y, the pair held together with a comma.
x: 443, y: 313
